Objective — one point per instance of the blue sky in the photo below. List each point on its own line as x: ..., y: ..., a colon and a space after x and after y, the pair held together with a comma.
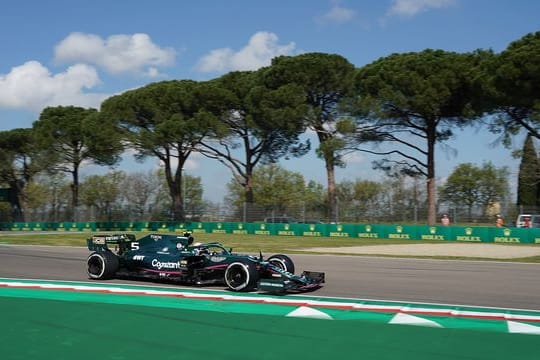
x: 79, y: 52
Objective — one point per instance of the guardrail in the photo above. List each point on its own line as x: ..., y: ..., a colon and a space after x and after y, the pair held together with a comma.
x: 362, y: 231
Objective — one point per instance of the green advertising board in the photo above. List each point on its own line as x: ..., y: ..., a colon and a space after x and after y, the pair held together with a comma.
x: 512, y: 235
x: 360, y: 231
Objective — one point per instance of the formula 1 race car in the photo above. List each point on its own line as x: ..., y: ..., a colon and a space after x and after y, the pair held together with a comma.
x: 176, y: 258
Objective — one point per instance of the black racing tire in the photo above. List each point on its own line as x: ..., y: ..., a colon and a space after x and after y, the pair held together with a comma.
x: 283, y: 262
x: 241, y: 276
x: 102, y: 265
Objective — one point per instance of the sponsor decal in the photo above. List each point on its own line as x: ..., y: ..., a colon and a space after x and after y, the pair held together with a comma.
x: 368, y: 228
x: 399, y: 236
x: 155, y: 237
x: 368, y: 235
x: 271, y: 284
x: 165, y: 264
x: 263, y: 226
x: 468, y: 236
x: 506, y: 239
x: 433, y: 230
x: 262, y: 232
x: 432, y: 237
x: 138, y: 257
x: 219, y: 225
x: 339, y: 234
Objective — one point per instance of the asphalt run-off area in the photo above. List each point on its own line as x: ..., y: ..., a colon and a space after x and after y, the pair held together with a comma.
x: 68, y: 320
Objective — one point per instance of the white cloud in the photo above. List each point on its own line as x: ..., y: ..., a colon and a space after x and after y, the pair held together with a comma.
x: 261, y: 49
x: 414, y: 7
x: 354, y: 158
x: 117, y: 54
x: 338, y: 15
x: 31, y: 86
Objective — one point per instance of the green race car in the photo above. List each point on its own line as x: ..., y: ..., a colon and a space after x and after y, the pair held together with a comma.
x: 176, y: 258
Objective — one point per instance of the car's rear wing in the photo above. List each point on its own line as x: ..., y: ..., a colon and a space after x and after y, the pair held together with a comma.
x: 100, y: 242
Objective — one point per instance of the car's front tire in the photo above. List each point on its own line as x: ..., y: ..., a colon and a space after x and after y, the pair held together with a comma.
x: 241, y: 276
x: 283, y: 262
x: 102, y: 265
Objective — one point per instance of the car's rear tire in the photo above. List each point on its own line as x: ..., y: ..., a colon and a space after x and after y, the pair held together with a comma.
x: 241, y: 276
x: 102, y: 265
x: 283, y: 262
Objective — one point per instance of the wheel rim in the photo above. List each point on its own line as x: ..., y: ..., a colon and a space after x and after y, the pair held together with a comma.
x: 237, y: 276
x: 96, y: 266
x: 279, y: 263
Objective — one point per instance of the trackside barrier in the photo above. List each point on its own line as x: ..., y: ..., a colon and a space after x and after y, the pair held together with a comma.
x: 362, y: 231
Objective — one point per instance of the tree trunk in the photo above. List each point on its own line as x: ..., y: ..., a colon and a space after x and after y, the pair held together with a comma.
x: 175, y: 189
x: 74, y: 193
x: 14, y: 197
x: 332, y: 201
x: 248, y: 211
x: 431, y: 137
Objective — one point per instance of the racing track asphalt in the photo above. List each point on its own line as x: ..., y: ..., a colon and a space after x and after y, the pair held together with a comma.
x: 474, y: 283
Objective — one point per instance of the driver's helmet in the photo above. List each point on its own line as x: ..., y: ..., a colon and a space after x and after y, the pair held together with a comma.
x: 189, y: 237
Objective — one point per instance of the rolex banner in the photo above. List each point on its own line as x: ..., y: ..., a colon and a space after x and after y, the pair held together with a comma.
x: 404, y: 232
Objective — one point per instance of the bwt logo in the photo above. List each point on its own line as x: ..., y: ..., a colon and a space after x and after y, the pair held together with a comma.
x: 138, y: 257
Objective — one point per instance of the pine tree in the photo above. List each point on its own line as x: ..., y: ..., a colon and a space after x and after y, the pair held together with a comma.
x: 528, y: 179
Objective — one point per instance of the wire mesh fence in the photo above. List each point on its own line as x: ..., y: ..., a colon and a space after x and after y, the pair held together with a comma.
x: 346, y: 212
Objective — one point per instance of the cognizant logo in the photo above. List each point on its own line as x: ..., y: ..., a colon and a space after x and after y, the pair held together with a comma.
x: 165, y: 265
